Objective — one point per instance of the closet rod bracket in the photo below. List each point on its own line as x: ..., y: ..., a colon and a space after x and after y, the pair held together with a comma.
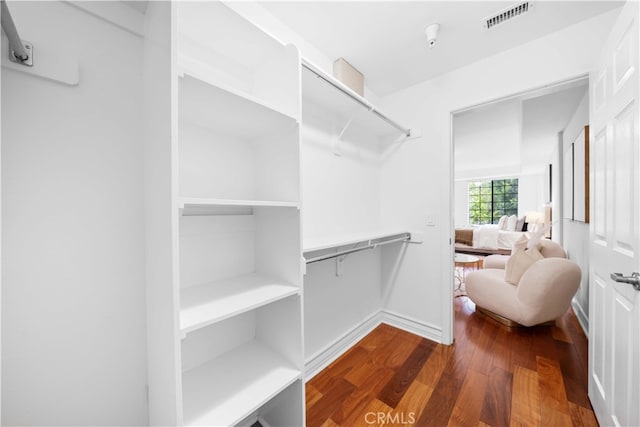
x: 20, y: 51
x: 340, y: 264
x: 338, y: 138
x: 23, y: 59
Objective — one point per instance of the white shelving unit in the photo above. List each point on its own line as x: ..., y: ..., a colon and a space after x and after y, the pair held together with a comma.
x: 333, y: 99
x: 197, y: 93
x: 236, y: 55
x: 206, y: 304
x: 234, y: 367
x: 194, y: 206
x: 233, y: 147
x: 228, y: 297
x: 224, y: 390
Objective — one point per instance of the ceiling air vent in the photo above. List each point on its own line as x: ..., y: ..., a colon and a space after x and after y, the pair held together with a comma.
x: 507, y: 14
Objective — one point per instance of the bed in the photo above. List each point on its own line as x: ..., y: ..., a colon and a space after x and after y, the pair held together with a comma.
x: 485, y: 239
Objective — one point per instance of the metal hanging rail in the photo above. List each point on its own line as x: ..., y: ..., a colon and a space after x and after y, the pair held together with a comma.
x: 358, y: 99
x: 370, y: 245
x: 17, y: 47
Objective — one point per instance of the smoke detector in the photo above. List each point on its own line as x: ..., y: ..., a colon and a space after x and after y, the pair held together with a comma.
x: 432, y: 34
x: 507, y: 14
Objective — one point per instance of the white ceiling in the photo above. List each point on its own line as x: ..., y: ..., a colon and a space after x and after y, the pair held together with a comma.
x: 385, y: 39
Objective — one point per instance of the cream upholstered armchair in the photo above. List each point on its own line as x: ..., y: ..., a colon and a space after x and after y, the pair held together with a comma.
x: 540, y: 295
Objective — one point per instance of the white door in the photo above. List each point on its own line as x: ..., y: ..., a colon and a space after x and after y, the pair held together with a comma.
x: 614, y: 318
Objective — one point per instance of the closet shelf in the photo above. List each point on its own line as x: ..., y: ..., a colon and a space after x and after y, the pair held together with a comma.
x: 344, y: 104
x: 219, y: 107
x: 358, y: 243
x: 224, y: 48
x: 331, y: 242
x: 197, y: 206
x: 203, y: 305
x: 226, y: 390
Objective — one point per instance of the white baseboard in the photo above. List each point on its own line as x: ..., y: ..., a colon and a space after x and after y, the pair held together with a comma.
x: 581, y: 315
x: 414, y: 326
x: 322, y: 359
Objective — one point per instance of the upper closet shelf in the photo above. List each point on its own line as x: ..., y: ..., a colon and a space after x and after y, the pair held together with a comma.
x: 333, y: 96
x: 235, y: 55
x: 194, y: 206
x: 226, y: 110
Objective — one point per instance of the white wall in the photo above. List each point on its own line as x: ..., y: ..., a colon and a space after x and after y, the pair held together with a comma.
x: 73, y: 306
x: 341, y: 196
x: 341, y: 193
x: 461, y: 203
x: 335, y: 305
x: 575, y: 233
x: 422, y: 289
x: 488, y: 141
x: 530, y: 194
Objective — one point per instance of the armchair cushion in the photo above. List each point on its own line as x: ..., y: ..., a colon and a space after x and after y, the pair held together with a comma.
x: 496, y: 261
x: 550, y: 249
x: 519, y: 262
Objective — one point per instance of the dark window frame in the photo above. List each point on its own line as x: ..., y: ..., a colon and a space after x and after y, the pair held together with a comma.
x: 490, y: 199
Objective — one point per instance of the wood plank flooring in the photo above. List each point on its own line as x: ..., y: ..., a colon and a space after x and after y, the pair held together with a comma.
x: 492, y: 376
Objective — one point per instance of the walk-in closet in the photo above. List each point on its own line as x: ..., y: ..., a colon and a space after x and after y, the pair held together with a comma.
x: 201, y: 213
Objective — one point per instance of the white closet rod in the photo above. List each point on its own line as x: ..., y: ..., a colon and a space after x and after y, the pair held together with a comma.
x: 405, y: 238
x: 405, y: 131
x: 15, y: 42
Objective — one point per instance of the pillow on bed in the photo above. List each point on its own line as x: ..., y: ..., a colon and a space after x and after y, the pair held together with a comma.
x: 520, y: 224
x: 519, y: 262
x: 511, y: 223
x: 502, y: 223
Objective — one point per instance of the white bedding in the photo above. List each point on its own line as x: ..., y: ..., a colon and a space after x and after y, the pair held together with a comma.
x: 488, y: 236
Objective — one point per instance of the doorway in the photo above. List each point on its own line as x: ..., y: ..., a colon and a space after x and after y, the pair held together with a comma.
x: 519, y: 140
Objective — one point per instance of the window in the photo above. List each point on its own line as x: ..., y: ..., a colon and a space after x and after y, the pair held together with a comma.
x: 489, y: 200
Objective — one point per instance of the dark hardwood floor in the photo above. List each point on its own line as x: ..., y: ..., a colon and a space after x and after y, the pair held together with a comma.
x: 491, y: 376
